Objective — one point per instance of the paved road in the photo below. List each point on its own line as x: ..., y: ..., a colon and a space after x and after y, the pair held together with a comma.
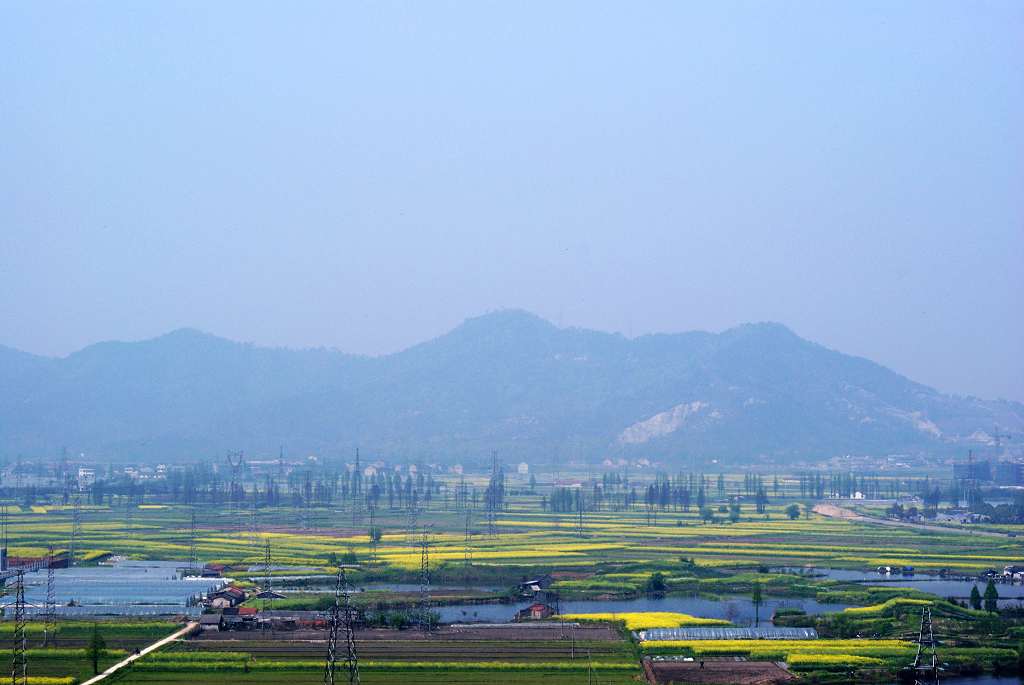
x: 833, y: 511
x: 187, y: 630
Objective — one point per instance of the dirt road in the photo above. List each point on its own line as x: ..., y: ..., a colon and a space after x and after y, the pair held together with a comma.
x: 187, y: 630
x: 833, y: 511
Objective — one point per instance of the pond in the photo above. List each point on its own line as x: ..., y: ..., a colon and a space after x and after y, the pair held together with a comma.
x: 739, y: 610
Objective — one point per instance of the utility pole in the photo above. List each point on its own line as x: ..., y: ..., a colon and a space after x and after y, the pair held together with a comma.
x: 19, y: 652
x: 50, y: 610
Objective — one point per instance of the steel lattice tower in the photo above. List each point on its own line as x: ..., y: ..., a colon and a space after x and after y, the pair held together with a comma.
x: 925, y: 670
x: 467, y: 554
x: 579, y: 519
x: 50, y: 625
x: 19, y: 655
x: 268, y: 579
x: 3, y: 532
x: 253, y: 528
x: 341, y: 618
x: 411, y: 526
x: 357, y: 491
x: 76, y: 530
x: 193, y: 554
x: 425, y: 580
x: 236, y: 460
x: 494, y: 496
x: 373, y: 541
x: 128, y: 513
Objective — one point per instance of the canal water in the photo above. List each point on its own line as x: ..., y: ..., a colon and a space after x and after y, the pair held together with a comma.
x: 739, y: 610
x: 1009, y: 594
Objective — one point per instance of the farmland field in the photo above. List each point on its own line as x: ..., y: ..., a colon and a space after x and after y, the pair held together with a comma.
x: 615, y: 569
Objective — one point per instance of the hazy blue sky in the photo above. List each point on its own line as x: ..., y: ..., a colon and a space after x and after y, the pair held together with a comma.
x: 366, y: 175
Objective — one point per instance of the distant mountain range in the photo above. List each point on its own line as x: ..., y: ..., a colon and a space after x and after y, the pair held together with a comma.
x: 507, y: 381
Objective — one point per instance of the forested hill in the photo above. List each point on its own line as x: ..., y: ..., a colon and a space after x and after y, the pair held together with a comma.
x: 508, y: 381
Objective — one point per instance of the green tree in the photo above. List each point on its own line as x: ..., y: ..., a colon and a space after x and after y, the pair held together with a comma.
x: 734, y: 511
x: 757, y: 599
x: 991, y: 596
x: 975, y: 598
x: 707, y: 514
x: 656, y: 584
x: 793, y: 511
x: 96, y: 649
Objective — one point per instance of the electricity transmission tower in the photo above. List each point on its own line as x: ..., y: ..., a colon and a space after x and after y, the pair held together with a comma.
x: 373, y: 533
x: 357, y: 492
x: 268, y: 579
x: 50, y: 610
x: 3, y: 532
x: 19, y: 653
x: 425, y: 580
x: 493, y: 497
x: 925, y: 670
x: 467, y: 554
x: 193, y: 554
x: 76, y: 530
x: 129, y: 511
x: 411, y: 526
x: 236, y: 460
x: 579, y: 512
x: 342, y: 618
x: 253, y: 528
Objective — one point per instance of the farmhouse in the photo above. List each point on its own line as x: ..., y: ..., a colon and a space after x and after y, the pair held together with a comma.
x: 230, y: 596
x: 211, y: 622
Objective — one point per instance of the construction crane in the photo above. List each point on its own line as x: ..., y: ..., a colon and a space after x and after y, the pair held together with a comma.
x: 342, y: 618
